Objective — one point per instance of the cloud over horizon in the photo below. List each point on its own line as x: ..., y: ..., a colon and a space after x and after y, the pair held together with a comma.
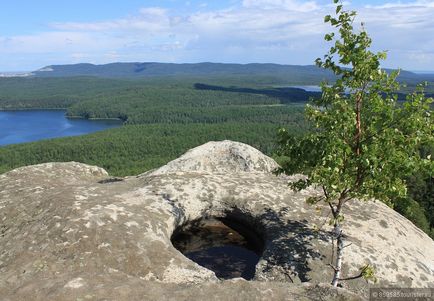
x: 274, y: 31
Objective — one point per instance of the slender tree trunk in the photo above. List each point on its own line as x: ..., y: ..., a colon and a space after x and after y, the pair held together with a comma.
x: 337, y: 231
x: 339, y: 254
x: 358, y: 125
x: 358, y: 137
x: 337, y: 234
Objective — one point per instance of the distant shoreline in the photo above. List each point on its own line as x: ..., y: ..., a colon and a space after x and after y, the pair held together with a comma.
x: 32, y: 109
x: 94, y: 118
x: 59, y: 109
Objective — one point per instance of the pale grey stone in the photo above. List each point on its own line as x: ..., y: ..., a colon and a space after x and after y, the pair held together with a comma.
x: 70, y: 232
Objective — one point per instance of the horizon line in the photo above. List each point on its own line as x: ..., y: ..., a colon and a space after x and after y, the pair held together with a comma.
x: 192, y: 63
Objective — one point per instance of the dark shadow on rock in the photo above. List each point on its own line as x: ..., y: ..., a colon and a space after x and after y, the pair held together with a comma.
x: 289, y: 244
x: 110, y: 180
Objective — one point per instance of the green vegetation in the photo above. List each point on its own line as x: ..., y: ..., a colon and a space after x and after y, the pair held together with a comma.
x: 168, y: 103
x: 164, y: 117
x: 366, y: 144
x: 48, y: 93
x: 134, y: 149
x: 287, y: 73
x: 418, y: 206
x: 156, y: 100
x: 269, y: 73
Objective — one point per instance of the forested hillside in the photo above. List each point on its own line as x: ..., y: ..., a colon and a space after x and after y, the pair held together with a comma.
x: 27, y: 93
x: 149, y: 69
x: 295, y: 74
x: 177, y: 113
x: 169, y: 100
x: 134, y: 149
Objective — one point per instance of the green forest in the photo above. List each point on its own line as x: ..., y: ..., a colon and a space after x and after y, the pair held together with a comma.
x: 165, y: 116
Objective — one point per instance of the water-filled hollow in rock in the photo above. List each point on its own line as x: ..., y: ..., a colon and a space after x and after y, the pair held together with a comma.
x: 228, y: 248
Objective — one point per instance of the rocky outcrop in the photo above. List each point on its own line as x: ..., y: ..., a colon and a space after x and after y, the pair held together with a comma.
x: 220, y: 157
x: 70, y: 232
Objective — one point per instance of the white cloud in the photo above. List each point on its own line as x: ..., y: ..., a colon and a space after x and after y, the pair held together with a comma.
x: 152, y: 19
x: 420, y: 3
x: 47, y: 42
x: 405, y: 30
x: 291, y: 5
x: 281, y: 31
x: 421, y: 57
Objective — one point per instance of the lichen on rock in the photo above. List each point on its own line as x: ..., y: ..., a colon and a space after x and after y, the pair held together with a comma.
x: 66, y: 232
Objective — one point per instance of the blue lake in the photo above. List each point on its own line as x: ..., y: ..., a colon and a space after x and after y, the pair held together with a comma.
x: 308, y: 88
x: 34, y: 125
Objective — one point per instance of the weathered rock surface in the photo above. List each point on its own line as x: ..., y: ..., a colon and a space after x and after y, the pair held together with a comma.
x: 220, y: 157
x: 67, y: 232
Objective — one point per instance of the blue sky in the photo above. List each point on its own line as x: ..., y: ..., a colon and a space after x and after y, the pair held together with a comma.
x: 34, y: 34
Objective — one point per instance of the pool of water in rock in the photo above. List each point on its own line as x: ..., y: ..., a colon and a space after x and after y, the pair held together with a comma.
x: 225, y: 247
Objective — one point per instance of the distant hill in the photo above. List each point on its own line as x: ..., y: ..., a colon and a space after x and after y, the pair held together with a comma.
x: 309, y: 73
x: 141, y: 70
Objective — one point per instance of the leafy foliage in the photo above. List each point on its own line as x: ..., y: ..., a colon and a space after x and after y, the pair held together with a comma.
x: 419, y: 205
x: 365, y: 143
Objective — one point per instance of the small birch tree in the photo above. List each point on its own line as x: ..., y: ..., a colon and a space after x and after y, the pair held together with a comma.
x: 364, y: 142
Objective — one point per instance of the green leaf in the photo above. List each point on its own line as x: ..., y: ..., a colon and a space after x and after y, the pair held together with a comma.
x: 368, y: 273
x: 329, y: 36
x: 313, y: 200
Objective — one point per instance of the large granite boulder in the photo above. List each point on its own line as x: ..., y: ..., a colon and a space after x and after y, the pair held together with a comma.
x: 70, y: 232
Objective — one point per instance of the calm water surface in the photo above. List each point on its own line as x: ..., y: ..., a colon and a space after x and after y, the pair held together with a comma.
x: 34, y: 125
x: 220, y: 248
x: 308, y: 88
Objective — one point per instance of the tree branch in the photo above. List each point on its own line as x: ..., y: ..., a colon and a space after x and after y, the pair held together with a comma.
x: 333, y: 267
x: 347, y: 245
x: 333, y: 210
x: 352, y: 278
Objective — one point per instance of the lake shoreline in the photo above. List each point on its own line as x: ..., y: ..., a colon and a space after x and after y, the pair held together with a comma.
x: 22, y: 126
x: 94, y: 118
x: 58, y: 109
x: 31, y: 109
